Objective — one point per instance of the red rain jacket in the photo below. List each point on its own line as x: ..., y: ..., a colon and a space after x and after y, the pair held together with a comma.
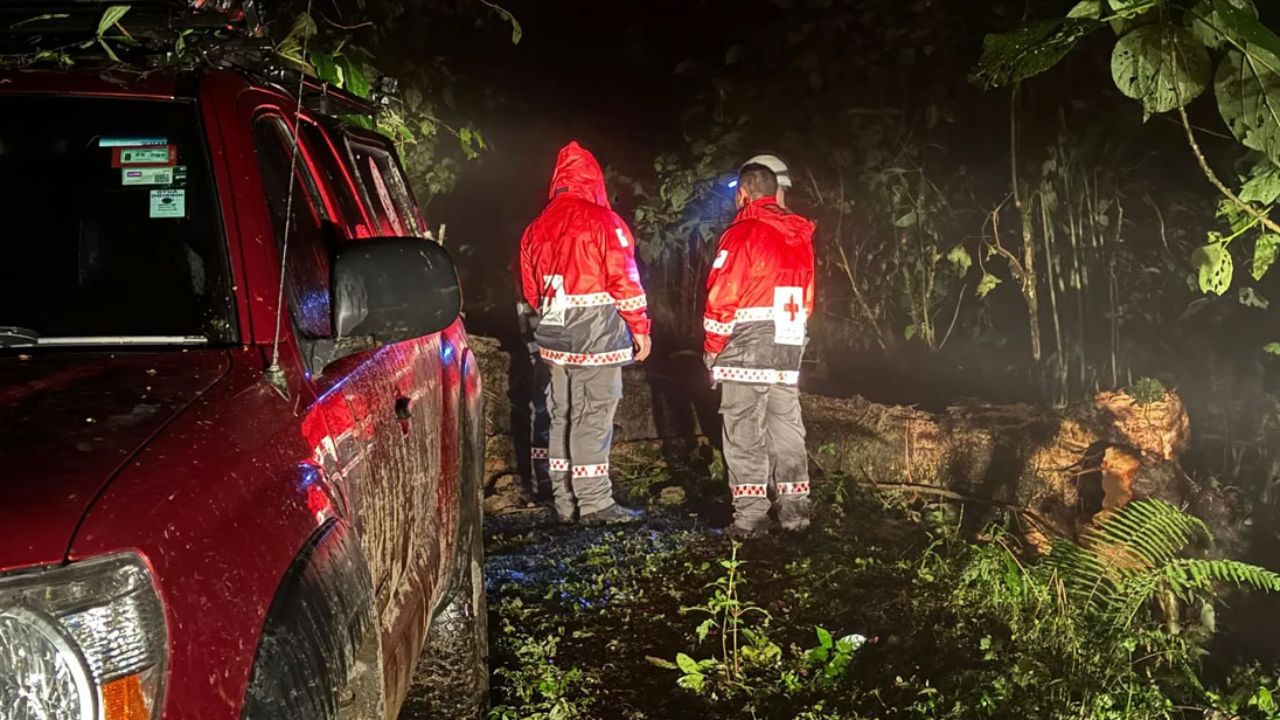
x: 760, y: 296
x: 578, y: 270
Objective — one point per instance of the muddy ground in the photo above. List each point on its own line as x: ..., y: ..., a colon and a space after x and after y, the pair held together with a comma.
x: 609, y: 624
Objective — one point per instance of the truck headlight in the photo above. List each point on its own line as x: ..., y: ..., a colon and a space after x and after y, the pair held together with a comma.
x: 83, y: 642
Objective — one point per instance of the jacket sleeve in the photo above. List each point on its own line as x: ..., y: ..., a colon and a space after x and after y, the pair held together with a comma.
x: 622, y: 279
x: 724, y: 290
x: 530, y: 289
x: 810, y: 299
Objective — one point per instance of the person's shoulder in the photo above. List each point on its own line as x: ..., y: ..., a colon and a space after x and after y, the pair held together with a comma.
x: 749, y: 230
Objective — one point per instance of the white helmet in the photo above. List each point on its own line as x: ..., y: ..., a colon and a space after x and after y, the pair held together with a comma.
x: 774, y: 163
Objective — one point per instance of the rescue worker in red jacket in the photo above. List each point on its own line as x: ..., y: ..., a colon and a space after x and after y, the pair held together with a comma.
x: 759, y: 297
x: 578, y: 269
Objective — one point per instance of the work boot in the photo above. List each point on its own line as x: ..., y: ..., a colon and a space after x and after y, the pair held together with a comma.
x: 793, y: 513
x: 615, y: 514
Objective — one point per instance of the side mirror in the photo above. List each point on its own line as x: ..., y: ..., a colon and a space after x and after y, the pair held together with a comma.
x: 390, y: 289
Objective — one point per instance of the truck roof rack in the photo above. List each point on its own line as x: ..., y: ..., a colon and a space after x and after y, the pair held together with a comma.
x: 218, y: 33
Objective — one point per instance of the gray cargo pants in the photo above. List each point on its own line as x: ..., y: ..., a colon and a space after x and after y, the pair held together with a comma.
x: 764, y: 450
x: 581, y: 403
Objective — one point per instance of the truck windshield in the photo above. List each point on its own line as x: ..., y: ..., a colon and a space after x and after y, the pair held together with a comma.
x: 111, y: 228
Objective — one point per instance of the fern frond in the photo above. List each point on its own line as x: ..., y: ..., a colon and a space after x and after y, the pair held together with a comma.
x: 1082, y: 573
x: 1130, y: 596
x: 1189, y: 574
x: 1145, y: 533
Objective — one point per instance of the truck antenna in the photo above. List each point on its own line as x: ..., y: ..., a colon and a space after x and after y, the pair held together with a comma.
x: 275, y: 374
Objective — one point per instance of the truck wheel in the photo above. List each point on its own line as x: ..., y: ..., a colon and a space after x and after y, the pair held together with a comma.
x: 320, y: 654
x: 452, y: 680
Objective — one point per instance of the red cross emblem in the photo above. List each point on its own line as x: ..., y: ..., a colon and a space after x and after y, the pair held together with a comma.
x: 792, y: 308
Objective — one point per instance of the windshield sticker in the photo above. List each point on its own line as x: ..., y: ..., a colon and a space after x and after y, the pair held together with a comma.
x: 144, y: 156
x: 147, y: 176
x: 114, y: 141
x: 168, y: 204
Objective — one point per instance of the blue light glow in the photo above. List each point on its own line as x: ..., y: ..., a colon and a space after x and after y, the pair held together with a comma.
x: 733, y: 183
x: 310, y: 474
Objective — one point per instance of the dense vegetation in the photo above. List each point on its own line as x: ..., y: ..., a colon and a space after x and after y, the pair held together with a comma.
x: 1015, y: 201
x: 886, y: 612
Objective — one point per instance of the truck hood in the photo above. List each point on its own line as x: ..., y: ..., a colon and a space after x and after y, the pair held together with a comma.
x: 69, y: 422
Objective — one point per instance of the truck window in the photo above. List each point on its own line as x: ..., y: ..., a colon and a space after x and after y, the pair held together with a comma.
x: 339, y: 181
x: 386, y: 190
x: 308, y: 222
x: 112, y: 229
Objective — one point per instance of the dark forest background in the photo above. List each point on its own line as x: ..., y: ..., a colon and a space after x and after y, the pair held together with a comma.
x: 1035, y: 241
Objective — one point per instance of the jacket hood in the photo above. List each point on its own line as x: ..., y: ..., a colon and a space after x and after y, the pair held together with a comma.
x: 578, y: 174
x: 796, y: 229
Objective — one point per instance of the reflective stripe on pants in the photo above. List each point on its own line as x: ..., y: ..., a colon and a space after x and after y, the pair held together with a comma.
x: 763, y: 448
x: 581, y: 403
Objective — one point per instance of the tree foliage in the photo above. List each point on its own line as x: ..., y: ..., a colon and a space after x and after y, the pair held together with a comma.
x: 1165, y: 58
x: 356, y: 49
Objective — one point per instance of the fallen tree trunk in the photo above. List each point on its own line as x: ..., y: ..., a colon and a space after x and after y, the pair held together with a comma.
x: 1055, y: 468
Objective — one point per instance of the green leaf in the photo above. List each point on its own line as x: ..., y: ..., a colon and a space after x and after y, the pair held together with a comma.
x: 1208, y: 25
x: 1214, y: 268
x: 1090, y: 9
x: 910, y: 331
x: 1263, y: 185
x: 40, y: 18
x: 686, y: 663
x: 692, y: 681
x: 1248, y: 91
x: 987, y: 284
x: 290, y: 47
x: 1095, y: 10
x: 1162, y: 66
x: 704, y: 628
x: 356, y: 78
x: 1132, y: 15
x: 61, y: 58
x: 825, y: 639
x: 820, y: 654
x: 850, y: 643
x: 517, y: 32
x: 1263, y: 700
x: 107, y: 49
x: 906, y: 220
x: 327, y: 68
x: 1272, y: 348
x: 110, y: 17
x: 1245, y: 26
x: 1264, y: 254
x: 960, y: 258
x: 1032, y: 49
x: 664, y: 664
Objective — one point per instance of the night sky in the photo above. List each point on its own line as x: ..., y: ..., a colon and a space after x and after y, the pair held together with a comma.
x: 579, y: 73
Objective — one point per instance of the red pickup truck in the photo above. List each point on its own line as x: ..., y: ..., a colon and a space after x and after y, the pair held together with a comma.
x: 240, y: 425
